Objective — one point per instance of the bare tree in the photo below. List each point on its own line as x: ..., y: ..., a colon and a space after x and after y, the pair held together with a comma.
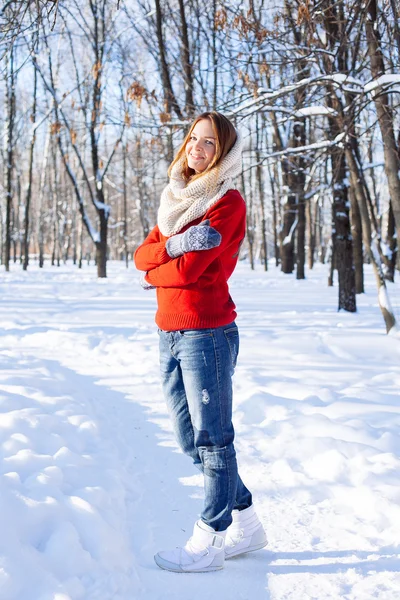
x: 383, y: 109
x: 9, y: 144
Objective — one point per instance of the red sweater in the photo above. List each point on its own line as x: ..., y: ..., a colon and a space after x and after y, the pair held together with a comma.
x: 192, y: 290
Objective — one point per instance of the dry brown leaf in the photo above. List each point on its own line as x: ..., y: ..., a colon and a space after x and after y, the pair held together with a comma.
x: 55, y: 127
x: 165, y: 117
x: 127, y: 119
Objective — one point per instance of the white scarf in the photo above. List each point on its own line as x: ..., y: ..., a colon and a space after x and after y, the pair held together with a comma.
x: 182, y: 202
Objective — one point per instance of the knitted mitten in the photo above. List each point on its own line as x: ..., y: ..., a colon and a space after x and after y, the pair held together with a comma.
x: 197, y: 237
x: 145, y: 284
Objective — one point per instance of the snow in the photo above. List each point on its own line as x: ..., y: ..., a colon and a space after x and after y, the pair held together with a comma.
x: 384, y: 302
x: 342, y: 78
x: 386, y: 250
x: 383, y: 80
x: 338, y: 141
x: 101, y: 205
x: 312, y: 111
x: 91, y: 481
x: 288, y: 238
x: 266, y: 95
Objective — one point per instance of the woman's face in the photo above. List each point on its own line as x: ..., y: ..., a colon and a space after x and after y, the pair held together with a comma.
x: 200, y: 149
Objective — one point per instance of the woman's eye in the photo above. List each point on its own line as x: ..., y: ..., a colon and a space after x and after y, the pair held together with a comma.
x: 209, y: 142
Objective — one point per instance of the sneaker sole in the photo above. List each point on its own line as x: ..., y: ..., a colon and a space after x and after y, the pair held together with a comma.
x: 246, y: 550
x: 167, y: 566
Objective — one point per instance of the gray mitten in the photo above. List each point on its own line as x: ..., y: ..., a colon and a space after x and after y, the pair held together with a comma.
x: 197, y: 237
x: 145, y: 284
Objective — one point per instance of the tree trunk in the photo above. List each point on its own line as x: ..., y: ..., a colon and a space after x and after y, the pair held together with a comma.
x: 101, y: 246
x: 342, y: 244
x: 141, y: 185
x: 297, y: 181
x: 249, y: 224
x: 214, y: 58
x: 30, y: 176
x: 384, y: 112
x: 260, y: 184
x: 296, y: 165
x: 310, y: 234
x: 274, y: 184
x: 341, y: 237
x: 373, y: 254
x: 74, y: 236
x: 390, y: 256
x: 41, y: 220
x: 80, y: 247
x: 55, y: 191
x: 10, y: 111
x: 186, y: 62
x: 301, y: 240
x: 287, y: 234
x: 125, y: 200
x: 275, y: 220
x: 356, y: 232
x: 16, y: 225
x: 332, y: 264
x: 169, y: 95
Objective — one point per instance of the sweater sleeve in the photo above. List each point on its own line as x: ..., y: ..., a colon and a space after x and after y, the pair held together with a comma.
x: 152, y: 252
x: 228, y: 218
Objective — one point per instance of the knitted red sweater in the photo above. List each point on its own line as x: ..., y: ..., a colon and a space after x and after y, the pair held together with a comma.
x: 192, y: 290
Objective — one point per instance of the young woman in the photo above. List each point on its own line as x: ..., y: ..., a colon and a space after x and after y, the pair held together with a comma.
x: 189, y: 257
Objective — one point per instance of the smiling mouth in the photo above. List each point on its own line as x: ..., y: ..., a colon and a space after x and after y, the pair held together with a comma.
x: 196, y: 157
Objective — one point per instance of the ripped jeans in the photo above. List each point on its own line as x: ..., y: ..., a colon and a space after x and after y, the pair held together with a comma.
x: 196, y: 369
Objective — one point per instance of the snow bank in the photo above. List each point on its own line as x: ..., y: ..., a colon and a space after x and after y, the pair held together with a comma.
x: 91, y: 481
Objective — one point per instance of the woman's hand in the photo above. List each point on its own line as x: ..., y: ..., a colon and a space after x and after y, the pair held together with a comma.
x: 197, y: 237
x: 145, y: 284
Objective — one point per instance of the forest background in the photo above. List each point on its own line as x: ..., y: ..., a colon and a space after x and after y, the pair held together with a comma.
x: 98, y: 94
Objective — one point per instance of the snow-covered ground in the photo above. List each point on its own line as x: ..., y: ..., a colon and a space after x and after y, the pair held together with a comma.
x: 91, y: 481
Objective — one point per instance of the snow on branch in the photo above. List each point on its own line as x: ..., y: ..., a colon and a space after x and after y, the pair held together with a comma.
x: 269, y: 95
x: 338, y: 141
x: 314, y: 111
x: 373, y: 165
x: 113, y: 185
x: 315, y: 191
x: 94, y: 234
x: 342, y: 79
x: 102, y: 206
x: 382, y: 81
x: 289, y: 236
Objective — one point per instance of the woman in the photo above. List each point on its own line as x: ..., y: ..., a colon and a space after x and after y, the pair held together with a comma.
x: 188, y: 258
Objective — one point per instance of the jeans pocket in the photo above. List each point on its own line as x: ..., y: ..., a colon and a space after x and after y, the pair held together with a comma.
x: 213, y: 458
x: 195, y: 333
x: 232, y: 337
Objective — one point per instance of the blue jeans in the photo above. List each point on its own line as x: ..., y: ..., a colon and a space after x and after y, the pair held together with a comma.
x: 196, y: 369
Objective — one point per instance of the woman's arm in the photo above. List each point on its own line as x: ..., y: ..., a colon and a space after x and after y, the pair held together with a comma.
x: 152, y: 252
x: 228, y: 218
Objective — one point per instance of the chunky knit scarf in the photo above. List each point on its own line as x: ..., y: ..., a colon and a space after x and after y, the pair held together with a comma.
x: 183, y: 202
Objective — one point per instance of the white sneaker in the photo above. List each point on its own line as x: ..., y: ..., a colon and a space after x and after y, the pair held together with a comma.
x: 245, y: 534
x: 203, y: 552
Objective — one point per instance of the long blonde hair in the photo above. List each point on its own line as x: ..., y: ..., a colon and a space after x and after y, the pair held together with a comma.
x: 225, y: 136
